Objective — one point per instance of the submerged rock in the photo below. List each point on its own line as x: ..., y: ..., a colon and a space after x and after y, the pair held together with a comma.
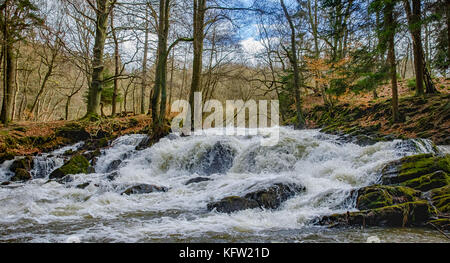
x: 113, y: 165
x: 144, y: 189
x: 21, y: 175
x: 197, y: 180
x: 269, y: 198
x: 78, y: 164
x: 218, y: 159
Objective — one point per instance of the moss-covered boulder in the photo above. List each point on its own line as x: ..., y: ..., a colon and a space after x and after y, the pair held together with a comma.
x: 377, y: 196
x: 441, y: 223
x: 21, y: 175
x: 269, y: 198
x: 414, y: 167
x: 408, y: 214
x: 6, y: 156
x: 25, y: 163
x: 78, y: 164
x: 440, y: 198
x: 429, y: 181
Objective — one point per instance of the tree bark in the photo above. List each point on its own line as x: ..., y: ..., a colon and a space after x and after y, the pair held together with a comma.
x: 389, y: 21
x: 199, y: 27
x: 95, y: 89
x: 116, y: 67
x: 9, y: 75
x: 293, y: 57
x: 144, y: 64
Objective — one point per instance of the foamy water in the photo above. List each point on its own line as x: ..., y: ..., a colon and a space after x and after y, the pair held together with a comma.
x: 329, y: 169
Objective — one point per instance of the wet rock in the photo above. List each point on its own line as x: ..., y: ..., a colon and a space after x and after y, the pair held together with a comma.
x: 90, y: 155
x: 144, y: 189
x: 78, y: 164
x: 402, y: 215
x: 377, y: 196
x: 5, y: 183
x: 273, y: 196
x: 197, y: 180
x: 21, y: 175
x: 113, y: 165
x: 22, y: 163
x: 217, y: 159
x: 269, y: 198
x: 65, y: 179
x: 441, y: 223
x: 112, y: 176
x: 83, y: 185
x: 232, y: 204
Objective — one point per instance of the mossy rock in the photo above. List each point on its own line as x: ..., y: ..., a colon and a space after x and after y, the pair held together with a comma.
x: 377, y: 196
x: 440, y: 198
x: 408, y: 214
x: 25, y: 163
x: 413, y: 167
x: 78, y: 164
x: 21, y: 175
x: 6, y: 156
x: 429, y: 181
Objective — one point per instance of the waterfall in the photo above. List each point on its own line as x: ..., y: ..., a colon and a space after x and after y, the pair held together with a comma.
x: 235, y: 165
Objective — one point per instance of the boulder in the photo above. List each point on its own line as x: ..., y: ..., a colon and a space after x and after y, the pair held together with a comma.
x: 217, y: 159
x: 377, y: 196
x: 22, y: 163
x: 269, y: 198
x: 144, y: 189
x: 402, y: 215
x: 74, y: 132
x: 21, y: 175
x: 197, y: 180
x: 232, y: 204
x: 78, y: 164
x: 440, y: 198
x: 413, y: 167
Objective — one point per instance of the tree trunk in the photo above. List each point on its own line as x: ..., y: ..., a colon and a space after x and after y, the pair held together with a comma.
x: 9, y: 75
x: 414, y: 20
x: 95, y: 89
x: 144, y: 64
x: 199, y: 26
x: 293, y: 57
x: 390, y: 35
x: 116, y: 67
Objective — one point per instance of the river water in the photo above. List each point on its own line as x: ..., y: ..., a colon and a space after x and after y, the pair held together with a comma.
x: 328, y: 167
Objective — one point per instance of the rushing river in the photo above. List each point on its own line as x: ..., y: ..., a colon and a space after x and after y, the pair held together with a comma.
x: 328, y: 167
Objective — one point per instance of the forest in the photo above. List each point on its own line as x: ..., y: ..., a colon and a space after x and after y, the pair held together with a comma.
x: 88, y: 86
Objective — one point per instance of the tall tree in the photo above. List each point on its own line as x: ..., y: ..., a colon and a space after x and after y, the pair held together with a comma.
x: 102, y: 9
x: 300, y: 121
x: 15, y: 17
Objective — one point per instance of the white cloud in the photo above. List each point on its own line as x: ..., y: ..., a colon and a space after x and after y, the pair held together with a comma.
x: 251, y: 46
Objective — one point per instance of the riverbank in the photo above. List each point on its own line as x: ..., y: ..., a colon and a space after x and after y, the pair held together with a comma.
x: 427, y: 118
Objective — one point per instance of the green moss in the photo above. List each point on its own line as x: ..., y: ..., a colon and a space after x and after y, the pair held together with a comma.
x: 377, y: 196
x: 77, y: 164
x: 419, y: 165
x: 429, y: 181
